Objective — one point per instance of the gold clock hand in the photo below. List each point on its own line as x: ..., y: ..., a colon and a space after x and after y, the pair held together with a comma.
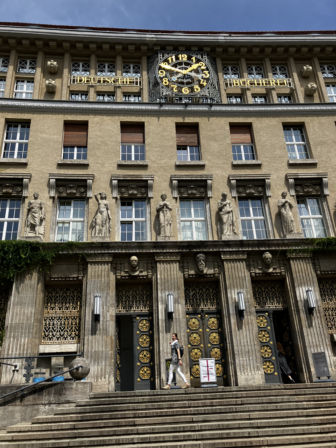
x: 168, y: 67
x: 192, y: 67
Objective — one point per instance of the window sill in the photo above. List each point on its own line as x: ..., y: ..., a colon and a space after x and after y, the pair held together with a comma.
x: 190, y: 163
x: 132, y: 163
x: 22, y: 162
x: 305, y: 162
x: 246, y: 163
x: 73, y: 162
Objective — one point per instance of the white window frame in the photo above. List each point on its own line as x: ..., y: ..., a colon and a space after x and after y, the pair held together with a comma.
x: 2, y: 87
x: 188, y: 149
x: 26, y: 65
x: 280, y: 97
x: 106, y: 97
x: 131, y: 70
x: 255, y: 71
x: 4, y: 62
x: 231, y: 71
x: 328, y: 70
x: 83, y: 68
x: 133, y: 220
x: 296, y: 143
x: 24, y: 93
x: 132, y: 98
x: 280, y: 71
x: 259, y: 99
x: 311, y: 217
x: 232, y: 99
x: 82, y: 96
x: 194, y: 220
x: 331, y: 92
x: 253, y: 219
x: 16, y: 141
x: 106, y: 68
x: 70, y: 220
x: 76, y: 153
x: 132, y: 145
x: 6, y: 220
x: 244, y: 154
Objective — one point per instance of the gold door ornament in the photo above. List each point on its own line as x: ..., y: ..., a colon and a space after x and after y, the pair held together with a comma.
x: 213, y: 323
x: 268, y: 367
x: 144, y: 356
x: 263, y: 336
x: 193, y: 324
x: 144, y: 340
x: 145, y: 373
x: 144, y: 325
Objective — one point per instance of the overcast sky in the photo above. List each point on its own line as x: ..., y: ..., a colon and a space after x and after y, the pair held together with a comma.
x: 222, y: 15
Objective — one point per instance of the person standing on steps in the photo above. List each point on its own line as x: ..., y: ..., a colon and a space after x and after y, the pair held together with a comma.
x: 176, y: 362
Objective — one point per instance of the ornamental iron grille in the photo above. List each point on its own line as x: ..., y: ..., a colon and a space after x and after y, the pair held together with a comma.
x: 61, y: 321
x: 134, y: 298
x: 161, y: 93
x: 269, y: 294
x: 203, y: 295
x: 328, y: 295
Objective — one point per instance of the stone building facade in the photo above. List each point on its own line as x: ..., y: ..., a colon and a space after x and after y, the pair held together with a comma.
x: 194, y: 166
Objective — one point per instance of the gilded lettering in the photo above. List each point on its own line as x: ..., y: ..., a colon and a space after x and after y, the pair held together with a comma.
x: 235, y: 82
x: 272, y: 82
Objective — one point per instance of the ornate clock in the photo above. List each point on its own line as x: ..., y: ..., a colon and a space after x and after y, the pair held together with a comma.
x: 183, y: 73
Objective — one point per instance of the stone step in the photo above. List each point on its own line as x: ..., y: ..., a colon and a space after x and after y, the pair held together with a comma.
x: 154, y: 420
x: 255, y: 407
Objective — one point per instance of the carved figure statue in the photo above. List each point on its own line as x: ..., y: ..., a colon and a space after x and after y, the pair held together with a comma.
x: 134, y: 265
x: 287, y: 218
x: 267, y: 259
x: 201, y: 262
x: 165, y: 218
x: 101, y: 223
x: 226, y: 219
x: 34, y: 225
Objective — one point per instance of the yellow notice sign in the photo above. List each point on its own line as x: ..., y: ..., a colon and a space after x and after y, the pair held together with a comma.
x: 262, y: 82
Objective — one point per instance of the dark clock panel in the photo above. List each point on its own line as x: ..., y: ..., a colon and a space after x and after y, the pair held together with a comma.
x: 183, y: 77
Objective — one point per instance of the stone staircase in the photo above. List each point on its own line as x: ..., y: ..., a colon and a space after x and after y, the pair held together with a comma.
x: 291, y: 416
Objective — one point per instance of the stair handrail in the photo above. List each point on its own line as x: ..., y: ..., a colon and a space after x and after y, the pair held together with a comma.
x: 35, y: 385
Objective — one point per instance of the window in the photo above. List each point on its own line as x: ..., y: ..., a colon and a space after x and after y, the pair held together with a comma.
x: 26, y: 66
x: 80, y: 68
x: 106, y: 69
x: 133, y: 220
x: 331, y: 91
x: 259, y: 99
x: 132, y: 70
x: 284, y: 99
x: 24, y: 88
x: 4, y: 61
x: 78, y: 96
x: 252, y: 218
x: 16, y: 141
x: 132, y: 141
x: 279, y: 71
x: 255, y: 71
x: 2, y: 87
x: 75, y: 141
x: 328, y: 70
x: 234, y: 99
x: 193, y: 220
x: 242, y: 143
x: 105, y: 97
x: 70, y: 220
x: 311, y: 218
x: 187, y: 142
x: 9, y: 218
x: 296, y: 142
x: 231, y: 71
x: 132, y: 98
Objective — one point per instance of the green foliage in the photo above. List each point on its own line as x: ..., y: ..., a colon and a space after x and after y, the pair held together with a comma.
x: 323, y: 243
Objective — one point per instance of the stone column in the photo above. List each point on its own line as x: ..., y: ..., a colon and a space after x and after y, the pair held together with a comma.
x: 245, y: 345
x: 170, y: 280
x: 93, y: 71
x: 10, y: 81
x: 248, y: 94
x: 23, y: 326
x: 38, y: 75
x: 321, y: 87
x: 269, y: 73
x: 144, y: 81
x: 296, y: 81
x: 65, y: 78
x: 99, y: 339
x: 119, y: 71
x: 221, y: 79
x: 313, y: 334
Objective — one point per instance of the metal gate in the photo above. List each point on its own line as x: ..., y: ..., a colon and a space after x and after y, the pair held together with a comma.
x: 268, y: 349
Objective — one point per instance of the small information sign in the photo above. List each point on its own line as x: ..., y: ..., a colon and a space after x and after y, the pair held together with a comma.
x: 208, y: 371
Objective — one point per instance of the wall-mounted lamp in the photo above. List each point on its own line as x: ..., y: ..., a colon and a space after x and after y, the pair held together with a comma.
x: 170, y: 305
x: 97, y: 306
x: 241, y: 304
x: 311, y: 300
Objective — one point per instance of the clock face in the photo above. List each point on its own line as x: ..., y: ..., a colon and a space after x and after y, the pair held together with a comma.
x: 183, y: 74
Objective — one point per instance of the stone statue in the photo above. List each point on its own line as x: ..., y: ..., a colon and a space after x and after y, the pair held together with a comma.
x: 165, y: 218
x: 227, y: 226
x: 134, y: 265
x: 101, y: 223
x: 287, y: 219
x: 35, y: 220
x: 201, y: 262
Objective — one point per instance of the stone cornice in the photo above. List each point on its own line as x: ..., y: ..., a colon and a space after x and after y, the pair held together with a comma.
x: 80, y: 108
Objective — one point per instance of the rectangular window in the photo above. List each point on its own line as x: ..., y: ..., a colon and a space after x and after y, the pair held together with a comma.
x: 331, y: 91
x: 132, y: 70
x: 328, y: 70
x: 26, y: 66
x: 2, y: 87
x: 9, y: 218
x: 231, y: 71
x: 133, y: 222
x: 284, y: 99
x: 259, y: 99
x: 187, y: 142
x: 106, y: 69
x: 4, y: 61
x: 296, y: 142
x: 242, y: 143
x: 255, y: 71
x: 234, y: 99
x: 280, y: 71
x: 130, y: 98
x: 16, y: 141
x: 193, y: 220
x: 75, y: 141
x: 252, y: 218
x: 311, y: 218
x: 24, y: 89
x: 80, y: 68
x: 132, y: 141
x: 70, y: 220
x: 78, y: 96
x: 105, y: 97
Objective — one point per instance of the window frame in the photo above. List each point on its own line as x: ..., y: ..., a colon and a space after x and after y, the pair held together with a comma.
x: 188, y: 149
x: 132, y: 73
x: 132, y: 98
x: 26, y: 94
x: 294, y: 143
x: 229, y: 97
x: 132, y: 145
x: 7, y: 220
x: 30, y: 66
x: 276, y: 71
x: 256, y: 99
x: 326, y: 73
x: 17, y: 141
x: 80, y: 72
x: 284, y: 96
x: 106, y: 71
x: 253, y: 219
x: 2, y: 87
x: 252, y: 71
x: 85, y: 94
x: 333, y: 95
x: 134, y: 220
x: 311, y: 217
x: 71, y: 220
x: 233, y: 71
x: 193, y: 220
x: 107, y: 97
x: 4, y: 64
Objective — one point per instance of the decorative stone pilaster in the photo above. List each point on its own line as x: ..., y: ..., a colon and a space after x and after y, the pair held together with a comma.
x: 23, y: 324
x: 170, y: 280
x: 99, y: 339
x: 311, y: 327
x: 244, y: 342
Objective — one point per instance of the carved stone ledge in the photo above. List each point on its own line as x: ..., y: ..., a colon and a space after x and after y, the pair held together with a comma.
x: 306, y: 71
x: 250, y: 185
x: 15, y: 185
x: 308, y: 183
x: 132, y: 186
x: 191, y: 186
x: 70, y: 185
x: 310, y: 89
x: 52, y: 66
x: 50, y: 85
